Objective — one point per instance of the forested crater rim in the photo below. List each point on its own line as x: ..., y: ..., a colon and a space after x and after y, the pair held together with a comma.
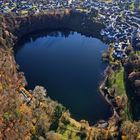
x: 15, y: 27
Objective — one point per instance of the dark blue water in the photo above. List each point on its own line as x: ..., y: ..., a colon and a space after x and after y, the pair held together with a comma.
x: 70, y: 68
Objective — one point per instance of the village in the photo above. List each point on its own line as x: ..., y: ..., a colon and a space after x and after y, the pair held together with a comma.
x: 122, y: 27
x: 121, y: 18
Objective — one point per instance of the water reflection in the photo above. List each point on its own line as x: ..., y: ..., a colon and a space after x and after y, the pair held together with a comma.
x: 69, y: 65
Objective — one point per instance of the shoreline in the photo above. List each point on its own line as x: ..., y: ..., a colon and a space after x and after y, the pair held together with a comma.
x: 12, y: 35
x: 106, y: 95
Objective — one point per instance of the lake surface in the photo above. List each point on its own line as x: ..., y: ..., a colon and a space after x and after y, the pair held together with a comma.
x: 69, y: 66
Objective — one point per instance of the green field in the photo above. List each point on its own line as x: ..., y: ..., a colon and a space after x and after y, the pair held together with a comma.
x: 116, y: 80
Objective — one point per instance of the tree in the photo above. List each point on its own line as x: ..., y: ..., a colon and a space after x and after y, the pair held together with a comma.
x: 130, y: 130
x: 132, y: 6
x: 39, y: 95
x: 57, y: 114
x: 52, y: 136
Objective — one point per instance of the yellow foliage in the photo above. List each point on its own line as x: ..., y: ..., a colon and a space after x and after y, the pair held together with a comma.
x: 138, y: 136
x: 1, y: 87
x: 25, y: 109
x: 124, y: 137
x: 33, y: 129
